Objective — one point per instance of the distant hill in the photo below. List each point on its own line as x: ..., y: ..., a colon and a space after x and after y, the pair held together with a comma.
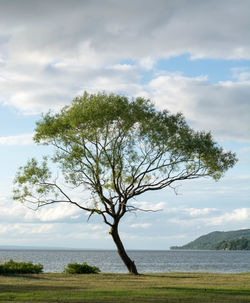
x: 210, y: 240
x: 235, y: 244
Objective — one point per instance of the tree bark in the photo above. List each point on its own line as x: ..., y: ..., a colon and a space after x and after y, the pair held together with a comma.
x: 122, y: 252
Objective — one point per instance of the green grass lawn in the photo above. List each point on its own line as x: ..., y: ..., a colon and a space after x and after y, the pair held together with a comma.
x: 172, y: 287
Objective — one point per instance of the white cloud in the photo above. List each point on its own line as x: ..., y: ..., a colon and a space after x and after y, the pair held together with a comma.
x: 189, y: 213
x: 143, y: 205
x: 223, y: 108
x: 95, y: 227
x: 51, y: 225
x: 125, y: 29
x: 193, y: 212
x: 24, y: 139
x: 214, y: 218
x: 20, y: 229
x: 140, y: 225
x: 147, y: 63
x: 237, y: 215
x: 59, y: 212
x: 241, y: 74
x: 123, y: 67
x: 46, y: 62
x: 12, y: 211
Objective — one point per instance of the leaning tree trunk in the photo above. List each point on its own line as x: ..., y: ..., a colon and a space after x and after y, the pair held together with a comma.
x: 122, y: 252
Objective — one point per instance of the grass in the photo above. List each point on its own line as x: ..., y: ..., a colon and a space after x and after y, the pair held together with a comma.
x: 173, y: 287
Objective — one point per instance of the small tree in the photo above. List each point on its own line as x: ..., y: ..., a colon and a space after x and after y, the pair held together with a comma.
x: 116, y: 149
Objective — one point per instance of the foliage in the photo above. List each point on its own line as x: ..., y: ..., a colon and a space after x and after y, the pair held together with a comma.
x: 210, y: 240
x: 84, y: 268
x: 12, y: 267
x: 235, y: 244
x: 116, y: 149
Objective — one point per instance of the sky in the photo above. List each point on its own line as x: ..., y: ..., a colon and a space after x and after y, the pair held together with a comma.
x: 188, y: 56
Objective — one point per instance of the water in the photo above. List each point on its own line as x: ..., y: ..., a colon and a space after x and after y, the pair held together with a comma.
x: 146, y: 261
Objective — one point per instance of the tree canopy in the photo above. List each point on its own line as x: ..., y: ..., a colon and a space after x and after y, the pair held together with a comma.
x: 116, y: 149
x: 235, y: 244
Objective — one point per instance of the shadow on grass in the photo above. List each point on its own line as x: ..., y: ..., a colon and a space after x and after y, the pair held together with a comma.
x: 168, y: 276
x: 207, y: 290
x: 33, y: 288
x: 25, y: 276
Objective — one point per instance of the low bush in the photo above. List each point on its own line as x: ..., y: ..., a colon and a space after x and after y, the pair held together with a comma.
x: 12, y: 267
x: 84, y: 268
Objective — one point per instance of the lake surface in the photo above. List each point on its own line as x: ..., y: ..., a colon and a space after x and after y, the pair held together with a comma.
x: 146, y: 260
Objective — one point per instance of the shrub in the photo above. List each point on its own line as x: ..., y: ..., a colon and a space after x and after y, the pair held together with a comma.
x: 12, y: 267
x: 84, y: 268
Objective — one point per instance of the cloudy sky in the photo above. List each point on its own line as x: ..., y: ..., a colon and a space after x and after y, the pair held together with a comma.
x: 191, y: 56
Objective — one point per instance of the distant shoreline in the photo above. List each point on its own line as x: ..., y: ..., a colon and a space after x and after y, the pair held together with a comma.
x: 9, y: 247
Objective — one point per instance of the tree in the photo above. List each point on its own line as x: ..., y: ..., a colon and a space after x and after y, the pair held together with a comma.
x: 116, y: 149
